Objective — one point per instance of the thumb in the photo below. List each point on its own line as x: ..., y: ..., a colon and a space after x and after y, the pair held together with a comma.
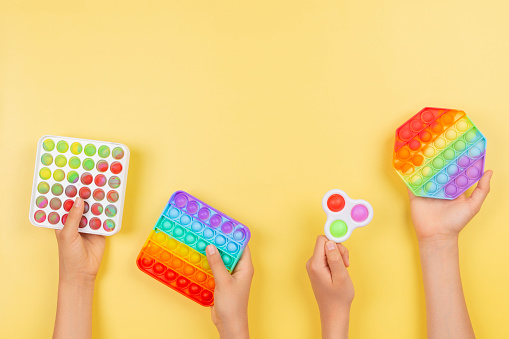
x: 481, y: 191
x: 216, y: 264
x: 73, y: 218
x: 335, y: 260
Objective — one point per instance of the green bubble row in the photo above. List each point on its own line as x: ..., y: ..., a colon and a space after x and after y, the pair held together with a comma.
x: 76, y: 148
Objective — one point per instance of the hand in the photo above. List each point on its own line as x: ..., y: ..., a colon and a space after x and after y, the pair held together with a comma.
x: 231, y: 294
x: 332, y: 286
x: 438, y: 218
x: 80, y: 254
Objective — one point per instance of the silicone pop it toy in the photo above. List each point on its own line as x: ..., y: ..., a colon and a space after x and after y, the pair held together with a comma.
x: 174, y: 252
x: 94, y: 170
x: 344, y: 215
x: 439, y: 153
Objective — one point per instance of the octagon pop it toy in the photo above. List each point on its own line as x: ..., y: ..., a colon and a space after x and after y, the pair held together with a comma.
x: 174, y: 252
x: 344, y: 215
x: 439, y: 153
x: 94, y: 170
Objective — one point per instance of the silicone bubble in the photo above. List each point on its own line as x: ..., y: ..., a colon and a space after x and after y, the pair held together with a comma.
x: 83, y: 222
x: 102, y: 166
x: 74, y: 162
x: 59, y: 175
x: 86, y: 207
x: 53, y: 218
x: 60, y: 161
x: 71, y: 191
x: 41, y: 202
x: 90, y: 150
x: 344, y: 215
x: 40, y: 216
x: 109, y: 225
x: 62, y: 146
x: 227, y: 227
x: 104, y: 151
x: 100, y: 180
x: 85, y: 193
x: 98, y: 194
x: 57, y: 189
x: 68, y: 204
x: 45, y: 173
x: 110, y: 211
x: 239, y: 235
x: 116, y: 167
x: 96, y: 209
x: 439, y: 168
x: 43, y: 187
x: 95, y: 223
x: 196, y: 226
x: 215, y: 220
x: 48, y: 145
x: 117, y: 153
x: 204, y: 213
x: 73, y: 177
x: 76, y: 148
x: 114, y: 182
x: 112, y: 196
x: 47, y: 159
x: 55, y: 204
x: 181, y: 200
x: 88, y: 164
x: 192, y: 207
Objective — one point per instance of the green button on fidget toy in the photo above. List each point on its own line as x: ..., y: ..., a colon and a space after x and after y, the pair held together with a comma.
x: 344, y: 215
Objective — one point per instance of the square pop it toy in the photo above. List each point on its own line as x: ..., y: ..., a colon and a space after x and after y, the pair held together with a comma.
x: 174, y: 252
x: 344, y: 215
x: 439, y: 153
x: 66, y: 167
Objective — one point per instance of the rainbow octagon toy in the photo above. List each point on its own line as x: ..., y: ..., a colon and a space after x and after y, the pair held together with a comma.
x: 439, y: 153
x: 174, y: 252
x: 344, y: 215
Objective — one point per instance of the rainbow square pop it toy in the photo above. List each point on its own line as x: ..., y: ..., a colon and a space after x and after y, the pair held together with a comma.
x: 439, y: 153
x: 66, y: 167
x: 344, y: 215
x: 174, y: 252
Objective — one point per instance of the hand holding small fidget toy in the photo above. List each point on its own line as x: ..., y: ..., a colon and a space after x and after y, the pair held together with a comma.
x: 439, y: 153
x: 94, y: 170
x: 344, y: 215
x: 174, y: 252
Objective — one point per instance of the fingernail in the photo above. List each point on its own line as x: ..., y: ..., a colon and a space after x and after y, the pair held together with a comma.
x: 78, y: 202
x: 210, y: 249
x: 330, y: 245
x: 348, y: 261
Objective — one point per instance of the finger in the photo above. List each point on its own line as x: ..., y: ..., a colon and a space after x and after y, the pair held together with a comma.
x: 335, y: 261
x: 411, y: 194
x: 319, y: 251
x: 73, y: 218
x: 245, y: 264
x: 216, y: 264
x: 481, y: 191
x: 344, y: 254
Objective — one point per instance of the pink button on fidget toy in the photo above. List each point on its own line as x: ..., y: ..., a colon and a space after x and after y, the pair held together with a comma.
x: 344, y: 215
x: 68, y: 167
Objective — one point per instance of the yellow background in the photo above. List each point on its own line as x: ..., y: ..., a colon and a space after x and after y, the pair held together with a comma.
x: 259, y: 108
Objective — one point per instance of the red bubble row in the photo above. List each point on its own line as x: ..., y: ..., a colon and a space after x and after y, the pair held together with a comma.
x: 174, y: 280
x: 94, y: 223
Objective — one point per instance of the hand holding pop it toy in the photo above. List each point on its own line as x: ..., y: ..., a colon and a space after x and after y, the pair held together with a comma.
x: 344, y: 215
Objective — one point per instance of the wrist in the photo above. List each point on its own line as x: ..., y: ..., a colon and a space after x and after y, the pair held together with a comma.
x: 235, y: 329
x: 81, y: 281
x: 335, y: 322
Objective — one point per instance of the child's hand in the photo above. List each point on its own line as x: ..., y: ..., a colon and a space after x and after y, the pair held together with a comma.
x: 80, y: 254
x: 231, y: 294
x: 332, y: 286
x: 437, y: 218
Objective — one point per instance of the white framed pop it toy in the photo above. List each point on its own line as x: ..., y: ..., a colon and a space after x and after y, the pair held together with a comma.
x: 344, y: 215
x: 95, y: 170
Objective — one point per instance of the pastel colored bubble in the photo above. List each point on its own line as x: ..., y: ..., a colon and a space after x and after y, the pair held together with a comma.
x: 405, y: 134
x: 174, y: 213
x: 183, y: 251
x: 205, y: 265
x: 204, y: 213
x: 474, y: 152
x: 117, y: 153
x: 461, y: 181
x: 97, y: 209
x: 112, y: 196
x: 74, y: 162
x: 239, y: 235
x: 104, y: 151
x: 338, y: 228
x: 43, y: 187
x: 220, y: 240
x: 159, y: 237
x: 85, y: 193
x: 460, y: 145
x: 464, y: 161
x: 41, y: 202
x: 45, y: 173
x: 473, y: 173
x: 232, y: 247
x: 227, y: 259
x: 108, y: 225
x: 71, y: 191
x: 215, y: 220
x: 440, y: 143
x: 83, y: 222
x: 116, y: 167
x: 172, y: 244
x: 200, y: 276
x: 470, y: 136
x: 165, y: 256
x: 166, y: 225
x: 178, y: 232
x: 336, y: 203
x: 447, y: 119
x: 438, y: 163
x: 427, y: 116
x: 417, y: 160
x: 428, y: 151
x: 60, y: 161
x: 53, y: 218
x: 190, y: 239
x: 196, y: 226
x: 62, y: 146
x: 40, y: 216
x: 192, y: 207
x: 68, y: 205
x: 114, y: 182
x: 425, y: 136
x: 194, y: 258
x: 55, y: 204
x: 100, y: 180
x: 451, y: 134
x: 102, y: 166
x: 430, y: 187
x: 47, y: 159
x: 110, y: 211
x: 57, y: 189
x: 442, y: 178
x: 450, y: 189
x: 414, y: 144
x: 449, y: 154
x: 48, y: 145
x: 462, y: 125
x: 415, y: 125
x: 436, y: 127
x: 98, y: 194
x: 176, y: 263
x: 359, y: 213
x: 201, y: 245
x: 95, y: 223
x: 64, y: 218
x: 452, y: 169
x: 427, y: 171
x: 76, y: 148
x: 86, y: 178
x: 208, y: 233
x: 185, y: 220
x: 73, y: 177
x: 416, y: 180
x: 211, y: 284
x: 90, y: 150
x: 227, y: 227
x: 59, y: 175
x: 88, y: 164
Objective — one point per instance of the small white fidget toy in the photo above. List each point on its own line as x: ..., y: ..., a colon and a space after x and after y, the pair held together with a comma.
x: 344, y: 215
